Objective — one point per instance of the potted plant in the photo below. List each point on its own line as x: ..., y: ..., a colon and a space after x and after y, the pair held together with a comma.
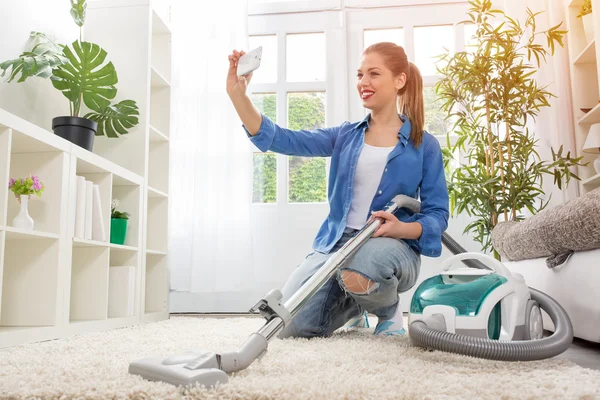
x: 81, y: 74
x: 23, y: 188
x: 585, y: 14
x: 118, y: 224
x: 491, y: 93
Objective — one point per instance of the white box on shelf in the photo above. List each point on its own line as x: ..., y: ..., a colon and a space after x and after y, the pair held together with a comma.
x: 121, y: 291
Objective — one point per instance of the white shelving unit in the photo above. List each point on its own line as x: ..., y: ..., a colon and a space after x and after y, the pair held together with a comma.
x: 51, y: 283
x: 584, y: 56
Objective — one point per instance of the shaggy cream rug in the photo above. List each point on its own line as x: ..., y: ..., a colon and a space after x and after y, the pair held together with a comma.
x: 349, y: 365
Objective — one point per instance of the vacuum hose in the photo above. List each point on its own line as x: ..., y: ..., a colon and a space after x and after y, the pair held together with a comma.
x: 520, y: 350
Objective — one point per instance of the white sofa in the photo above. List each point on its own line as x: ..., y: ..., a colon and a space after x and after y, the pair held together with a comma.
x: 575, y: 285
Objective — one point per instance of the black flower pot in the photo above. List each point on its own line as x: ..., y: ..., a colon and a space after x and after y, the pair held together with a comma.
x: 80, y: 131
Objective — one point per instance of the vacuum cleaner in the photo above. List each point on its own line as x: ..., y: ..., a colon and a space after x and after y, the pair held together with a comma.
x: 479, y: 311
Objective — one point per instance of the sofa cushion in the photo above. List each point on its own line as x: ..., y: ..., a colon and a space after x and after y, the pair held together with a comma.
x: 573, y: 226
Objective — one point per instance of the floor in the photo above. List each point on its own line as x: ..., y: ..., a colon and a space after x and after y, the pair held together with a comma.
x: 581, y: 352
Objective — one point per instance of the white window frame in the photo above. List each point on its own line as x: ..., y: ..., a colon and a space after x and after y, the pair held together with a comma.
x: 263, y: 7
x: 407, y: 18
x: 334, y: 85
x: 343, y: 22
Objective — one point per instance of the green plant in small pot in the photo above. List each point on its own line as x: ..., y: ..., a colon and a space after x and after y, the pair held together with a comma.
x: 82, y: 75
x: 118, y: 224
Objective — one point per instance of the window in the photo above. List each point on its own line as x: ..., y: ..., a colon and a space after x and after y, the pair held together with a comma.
x: 307, y: 77
x: 306, y: 175
x: 395, y: 35
x: 268, y: 63
x: 430, y: 42
x: 265, y: 164
x: 305, y: 54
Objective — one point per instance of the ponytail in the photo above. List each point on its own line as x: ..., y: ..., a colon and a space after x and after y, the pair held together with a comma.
x: 410, y: 103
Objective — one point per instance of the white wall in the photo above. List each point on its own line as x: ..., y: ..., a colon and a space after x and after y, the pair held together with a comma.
x: 35, y: 100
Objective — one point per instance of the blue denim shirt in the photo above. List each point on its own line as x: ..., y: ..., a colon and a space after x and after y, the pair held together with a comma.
x: 409, y: 171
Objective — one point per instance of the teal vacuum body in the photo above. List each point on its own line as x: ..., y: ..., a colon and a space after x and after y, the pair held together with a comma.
x: 479, y: 308
x: 485, y: 303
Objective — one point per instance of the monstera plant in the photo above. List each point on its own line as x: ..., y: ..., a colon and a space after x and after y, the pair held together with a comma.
x: 81, y: 72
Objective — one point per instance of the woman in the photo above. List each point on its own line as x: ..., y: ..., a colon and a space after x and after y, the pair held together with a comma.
x: 386, y: 154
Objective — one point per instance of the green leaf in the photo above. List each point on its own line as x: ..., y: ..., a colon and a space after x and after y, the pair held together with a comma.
x: 78, y: 8
x: 39, y: 61
x: 115, y: 119
x: 84, y: 77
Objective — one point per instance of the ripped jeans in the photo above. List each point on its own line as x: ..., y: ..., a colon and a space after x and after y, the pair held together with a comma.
x: 390, y: 266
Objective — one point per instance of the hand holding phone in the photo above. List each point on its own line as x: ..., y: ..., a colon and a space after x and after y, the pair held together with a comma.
x: 239, y: 74
x: 249, y: 61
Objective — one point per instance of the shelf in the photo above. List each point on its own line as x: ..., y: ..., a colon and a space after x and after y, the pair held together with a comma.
x: 155, y: 193
x: 587, y: 55
x: 89, y: 284
x: 157, y: 136
x: 81, y: 326
x: 592, y: 181
x: 52, y: 284
x: 158, y: 80
x: 157, y: 223
x: 52, y: 168
x: 591, y: 117
x: 90, y: 163
x: 156, y: 294
x: 30, y: 280
x: 13, y: 233
x: 36, y: 139
x: 159, y: 26
x: 155, y: 316
x: 77, y: 242
x: 122, y: 247
x: 158, y: 167
x: 156, y: 252
x: 16, y: 335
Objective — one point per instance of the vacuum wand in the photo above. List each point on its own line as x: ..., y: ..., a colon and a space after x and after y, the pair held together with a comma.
x: 310, y: 287
x: 209, y: 369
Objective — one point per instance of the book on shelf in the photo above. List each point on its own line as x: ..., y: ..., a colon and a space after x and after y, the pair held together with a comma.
x: 89, y: 223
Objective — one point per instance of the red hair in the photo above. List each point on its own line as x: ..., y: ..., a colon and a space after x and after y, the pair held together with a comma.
x: 410, y: 97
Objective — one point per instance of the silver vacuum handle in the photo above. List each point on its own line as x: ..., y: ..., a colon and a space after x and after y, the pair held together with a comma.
x: 404, y: 201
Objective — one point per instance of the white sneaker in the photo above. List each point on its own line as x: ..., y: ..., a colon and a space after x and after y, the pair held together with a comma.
x: 393, y: 326
x: 362, y: 321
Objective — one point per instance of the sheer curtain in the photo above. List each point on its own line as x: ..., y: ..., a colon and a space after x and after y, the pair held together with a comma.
x: 210, y: 249
x: 554, y: 125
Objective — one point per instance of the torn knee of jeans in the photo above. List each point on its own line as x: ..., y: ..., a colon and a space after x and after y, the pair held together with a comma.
x: 357, y: 283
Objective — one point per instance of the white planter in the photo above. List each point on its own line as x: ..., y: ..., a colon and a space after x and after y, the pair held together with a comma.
x: 23, y: 220
x: 588, y: 27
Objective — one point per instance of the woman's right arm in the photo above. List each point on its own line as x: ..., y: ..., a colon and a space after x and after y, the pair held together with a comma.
x: 236, y: 89
x: 264, y: 133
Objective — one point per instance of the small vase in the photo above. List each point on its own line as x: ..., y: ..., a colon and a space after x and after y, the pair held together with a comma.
x: 118, y: 230
x: 23, y: 220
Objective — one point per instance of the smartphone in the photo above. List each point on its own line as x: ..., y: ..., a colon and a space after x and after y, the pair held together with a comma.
x: 249, y: 61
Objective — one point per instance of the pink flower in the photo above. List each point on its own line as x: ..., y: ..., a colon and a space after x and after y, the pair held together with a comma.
x: 11, y: 183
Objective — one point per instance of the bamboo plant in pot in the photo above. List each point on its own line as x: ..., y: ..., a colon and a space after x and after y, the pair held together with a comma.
x: 491, y: 93
x: 82, y: 75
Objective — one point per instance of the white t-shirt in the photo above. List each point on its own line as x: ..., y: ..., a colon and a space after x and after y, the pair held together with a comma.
x: 367, y: 177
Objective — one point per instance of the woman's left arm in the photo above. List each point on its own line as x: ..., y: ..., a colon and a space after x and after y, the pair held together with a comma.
x: 428, y: 225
